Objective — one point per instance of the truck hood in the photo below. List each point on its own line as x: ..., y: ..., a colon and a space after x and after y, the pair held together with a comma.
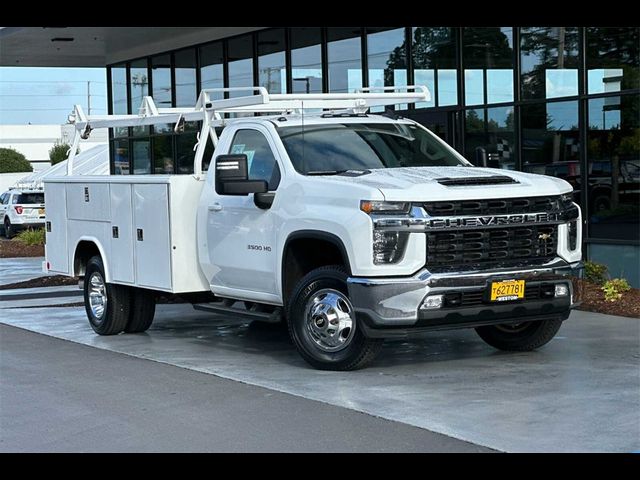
x: 456, y: 183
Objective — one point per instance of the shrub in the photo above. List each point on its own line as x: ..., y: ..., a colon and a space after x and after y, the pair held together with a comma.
x: 12, y: 161
x: 614, y: 288
x: 58, y: 152
x: 595, y: 272
x: 31, y: 237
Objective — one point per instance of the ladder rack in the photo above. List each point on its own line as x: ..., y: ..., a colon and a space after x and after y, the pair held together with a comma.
x: 259, y: 101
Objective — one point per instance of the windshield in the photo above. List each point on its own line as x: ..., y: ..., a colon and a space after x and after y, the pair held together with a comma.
x: 326, y: 149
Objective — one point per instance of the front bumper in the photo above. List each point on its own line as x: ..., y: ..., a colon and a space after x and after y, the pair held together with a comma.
x: 388, y: 307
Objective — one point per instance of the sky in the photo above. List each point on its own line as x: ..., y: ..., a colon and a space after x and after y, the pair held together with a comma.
x: 46, y: 96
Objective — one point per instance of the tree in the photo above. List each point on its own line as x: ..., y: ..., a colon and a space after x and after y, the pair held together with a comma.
x: 59, y: 152
x: 12, y: 161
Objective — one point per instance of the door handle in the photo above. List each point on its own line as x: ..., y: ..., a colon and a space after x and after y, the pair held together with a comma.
x: 216, y: 207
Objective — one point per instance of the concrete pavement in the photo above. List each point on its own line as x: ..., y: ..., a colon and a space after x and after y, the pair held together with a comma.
x: 14, y: 270
x: 579, y: 393
x: 58, y: 396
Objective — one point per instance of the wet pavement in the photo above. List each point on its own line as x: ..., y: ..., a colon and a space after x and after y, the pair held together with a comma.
x: 579, y: 393
x: 14, y: 270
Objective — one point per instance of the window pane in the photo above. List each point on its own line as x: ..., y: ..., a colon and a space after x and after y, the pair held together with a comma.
x: 141, y: 155
x: 212, y: 70
x: 387, y: 59
x: 434, y: 50
x: 119, y: 96
x: 163, y: 154
x: 614, y: 167
x: 549, y: 61
x: 241, y: 65
x: 306, y: 60
x: 613, y: 58
x: 185, y: 152
x: 161, y: 81
x: 489, y: 137
x: 488, y: 50
x: 139, y: 79
x: 344, y: 51
x: 185, y: 72
x: 120, y: 149
x: 271, y: 61
x: 260, y: 160
x: 550, y: 139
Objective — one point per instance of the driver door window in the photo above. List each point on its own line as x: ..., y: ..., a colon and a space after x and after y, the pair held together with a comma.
x: 261, y: 162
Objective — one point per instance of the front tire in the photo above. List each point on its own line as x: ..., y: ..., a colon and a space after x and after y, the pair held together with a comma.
x: 323, y: 326
x: 522, y: 337
x: 107, y: 305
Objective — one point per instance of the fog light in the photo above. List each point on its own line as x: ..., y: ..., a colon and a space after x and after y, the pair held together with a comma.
x: 432, y: 302
x: 562, y: 290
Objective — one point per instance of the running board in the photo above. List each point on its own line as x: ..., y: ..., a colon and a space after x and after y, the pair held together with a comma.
x: 273, y: 317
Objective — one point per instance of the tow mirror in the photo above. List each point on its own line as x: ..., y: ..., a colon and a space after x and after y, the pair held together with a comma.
x: 232, y: 177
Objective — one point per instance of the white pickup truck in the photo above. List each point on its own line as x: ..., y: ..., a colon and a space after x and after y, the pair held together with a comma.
x: 348, y: 226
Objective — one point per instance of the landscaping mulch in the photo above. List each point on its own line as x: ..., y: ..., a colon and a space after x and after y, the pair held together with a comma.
x: 593, y: 301
x: 16, y: 249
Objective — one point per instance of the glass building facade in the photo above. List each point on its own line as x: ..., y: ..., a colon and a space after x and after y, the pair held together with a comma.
x: 561, y: 101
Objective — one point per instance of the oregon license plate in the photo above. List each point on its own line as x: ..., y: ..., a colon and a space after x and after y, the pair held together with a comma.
x: 507, y: 290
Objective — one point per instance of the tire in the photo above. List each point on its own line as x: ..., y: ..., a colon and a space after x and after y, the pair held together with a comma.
x: 114, y: 315
x: 522, y: 337
x: 347, y: 348
x: 8, y: 229
x: 143, y: 309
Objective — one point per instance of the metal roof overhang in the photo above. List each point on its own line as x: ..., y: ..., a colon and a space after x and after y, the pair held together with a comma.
x: 99, y: 46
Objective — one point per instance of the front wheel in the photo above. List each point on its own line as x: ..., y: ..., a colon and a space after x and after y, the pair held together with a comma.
x: 323, y: 326
x: 107, y: 305
x: 520, y: 337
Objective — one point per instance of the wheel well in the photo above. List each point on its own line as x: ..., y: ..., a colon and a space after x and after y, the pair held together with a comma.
x: 304, y: 254
x: 84, y: 251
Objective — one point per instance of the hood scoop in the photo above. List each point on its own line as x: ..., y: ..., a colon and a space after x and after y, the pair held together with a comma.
x: 470, y: 181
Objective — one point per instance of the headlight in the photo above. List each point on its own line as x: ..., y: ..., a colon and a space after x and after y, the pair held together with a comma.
x: 388, y: 247
x: 393, y: 208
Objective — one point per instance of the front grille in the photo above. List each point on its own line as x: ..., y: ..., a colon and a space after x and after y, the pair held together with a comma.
x: 480, y: 249
x: 473, y: 298
x: 503, y: 206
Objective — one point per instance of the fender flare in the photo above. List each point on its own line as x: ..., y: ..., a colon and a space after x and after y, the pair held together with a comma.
x: 100, y: 248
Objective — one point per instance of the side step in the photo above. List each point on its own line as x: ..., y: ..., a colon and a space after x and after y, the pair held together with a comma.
x: 224, y: 309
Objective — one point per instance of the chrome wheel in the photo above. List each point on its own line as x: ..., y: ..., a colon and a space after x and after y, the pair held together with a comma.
x: 97, y: 295
x: 328, y: 320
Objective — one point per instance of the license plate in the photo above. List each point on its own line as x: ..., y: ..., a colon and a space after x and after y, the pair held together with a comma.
x: 41, y: 211
x: 507, y: 290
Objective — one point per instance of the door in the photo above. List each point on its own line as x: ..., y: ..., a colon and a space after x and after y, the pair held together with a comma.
x: 122, y: 235
x: 151, y: 233
x: 241, y: 237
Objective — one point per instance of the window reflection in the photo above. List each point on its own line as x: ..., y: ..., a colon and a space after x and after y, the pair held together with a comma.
x: 271, y: 61
x: 241, y: 65
x: 212, y: 68
x: 551, y: 142
x: 613, y: 58
x: 161, y: 81
x: 434, y: 54
x: 549, y: 61
x: 185, y: 74
x: 119, y: 96
x: 139, y: 80
x: 120, y: 150
x: 306, y: 60
x: 614, y: 167
x: 163, y: 154
x: 344, y: 52
x: 488, y: 62
x: 141, y: 156
x: 489, y: 137
x: 387, y: 59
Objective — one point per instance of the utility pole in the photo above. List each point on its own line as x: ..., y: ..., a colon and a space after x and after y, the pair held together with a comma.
x: 88, y: 98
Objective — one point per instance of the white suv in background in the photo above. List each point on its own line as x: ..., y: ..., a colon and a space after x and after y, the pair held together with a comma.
x: 21, y: 209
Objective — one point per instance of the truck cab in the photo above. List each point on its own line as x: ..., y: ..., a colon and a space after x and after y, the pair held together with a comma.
x: 346, y: 226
